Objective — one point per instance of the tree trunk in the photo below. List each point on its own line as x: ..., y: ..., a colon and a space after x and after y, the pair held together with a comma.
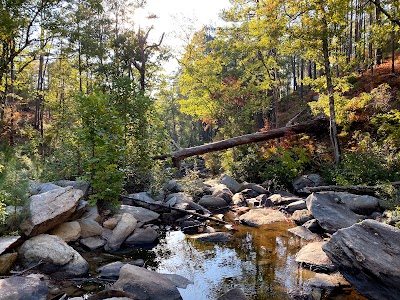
x: 311, y: 126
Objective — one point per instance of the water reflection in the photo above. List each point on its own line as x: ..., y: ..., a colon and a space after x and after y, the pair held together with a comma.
x: 260, y: 261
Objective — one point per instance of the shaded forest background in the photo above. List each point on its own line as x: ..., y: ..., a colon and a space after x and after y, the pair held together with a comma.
x: 83, y: 93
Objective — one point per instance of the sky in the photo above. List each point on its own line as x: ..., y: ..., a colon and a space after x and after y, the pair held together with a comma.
x: 178, y: 19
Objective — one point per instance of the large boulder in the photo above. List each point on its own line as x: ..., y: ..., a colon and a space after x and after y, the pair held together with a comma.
x: 312, y: 255
x: 304, y: 181
x: 143, y: 284
x: 222, y: 191
x: 47, y: 210
x: 124, y: 228
x: 68, y: 231
x: 51, y: 255
x: 78, y: 185
x: 331, y: 212
x: 40, y: 188
x: 360, y: 204
x: 230, y: 182
x: 368, y: 256
x: 262, y: 216
x: 209, y: 201
x: 141, y: 214
x: 23, y: 288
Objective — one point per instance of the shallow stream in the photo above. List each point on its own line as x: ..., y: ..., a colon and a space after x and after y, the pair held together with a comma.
x: 261, y: 261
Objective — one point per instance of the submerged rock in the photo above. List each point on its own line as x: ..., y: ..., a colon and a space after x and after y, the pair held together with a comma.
x: 262, y: 216
x: 368, y: 256
x: 51, y: 255
x: 213, y: 237
x: 233, y: 294
x: 23, y: 288
x: 143, y: 284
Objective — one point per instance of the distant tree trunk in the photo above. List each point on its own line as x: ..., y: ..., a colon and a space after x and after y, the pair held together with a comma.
x: 294, y: 73
x: 378, y: 22
x: 329, y: 84
x: 301, y: 79
x: 393, y: 48
x: 350, y: 50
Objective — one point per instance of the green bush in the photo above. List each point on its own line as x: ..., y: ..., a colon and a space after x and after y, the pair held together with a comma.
x: 362, y: 168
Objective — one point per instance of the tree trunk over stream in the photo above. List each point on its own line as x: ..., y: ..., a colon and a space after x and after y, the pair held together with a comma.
x: 310, y: 126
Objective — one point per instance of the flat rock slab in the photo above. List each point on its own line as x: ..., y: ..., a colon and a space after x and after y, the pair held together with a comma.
x: 292, y: 207
x: 326, y: 281
x: 143, y: 284
x: 7, y: 243
x: 93, y: 242
x: 312, y: 255
x: 51, y: 255
x: 368, y: 256
x: 213, y: 237
x: 141, y: 214
x: 47, y: 210
x: 23, y: 288
x: 305, y: 233
x: 262, y: 216
x: 331, y: 213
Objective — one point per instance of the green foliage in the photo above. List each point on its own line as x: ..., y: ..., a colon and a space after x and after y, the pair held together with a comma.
x: 388, y: 128
x: 362, y: 168
x: 100, y: 146
x: 15, y: 169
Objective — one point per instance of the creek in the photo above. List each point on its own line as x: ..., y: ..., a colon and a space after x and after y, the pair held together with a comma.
x: 261, y: 261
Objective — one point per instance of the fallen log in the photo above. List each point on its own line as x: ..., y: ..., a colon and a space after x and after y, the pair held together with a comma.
x: 179, y: 210
x: 310, y: 126
x: 354, y: 189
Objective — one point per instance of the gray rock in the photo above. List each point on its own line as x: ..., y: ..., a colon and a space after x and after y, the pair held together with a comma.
x: 40, y: 188
x: 142, y: 236
x: 368, y: 256
x: 143, y: 284
x: 90, y: 227
x: 230, y: 183
x: 23, y: 288
x: 302, y: 216
x: 79, y: 185
x: 124, y: 228
x: 298, y: 205
x: 93, y: 242
x: 312, y: 256
x: 283, y: 198
x: 313, y: 226
x: 326, y: 281
x: 92, y: 213
x: 211, y: 201
x: 68, y: 231
x: 141, y: 214
x: 173, y: 186
x: 185, y: 201
x: 304, y: 233
x: 112, y: 222
x: 49, y: 209
x: 110, y: 270
x: 79, y: 211
x: 360, y: 204
x: 239, y: 200
x: 213, y: 237
x: 52, y: 256
x: 310, y: 180
x: 222, y: 191
x: 8, y: 243
x: 262, y: 216
x: 265, y: 202
x: 233, y: 294
x: 253, y: 186
x: 6, y: 262
x: 178, y: 280
x: 249, y: 193
x: 331, y: 213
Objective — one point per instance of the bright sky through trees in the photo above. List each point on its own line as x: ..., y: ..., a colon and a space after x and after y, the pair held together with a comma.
x: 177, y: 18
